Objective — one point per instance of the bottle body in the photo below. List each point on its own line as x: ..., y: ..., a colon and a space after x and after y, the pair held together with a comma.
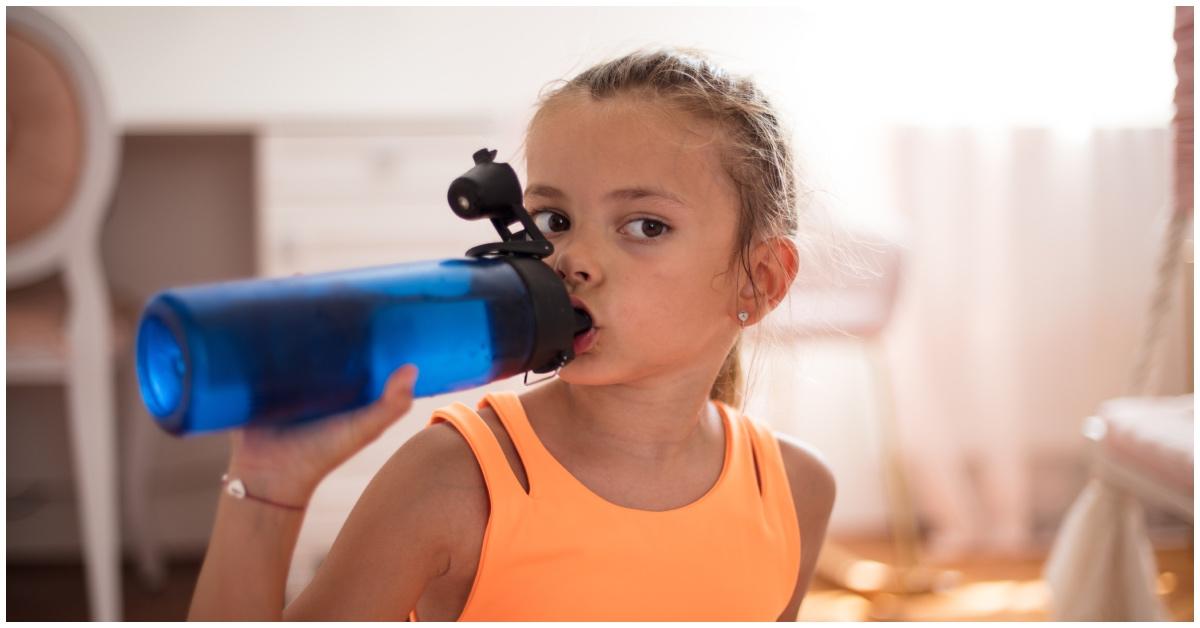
x: 289, y: 350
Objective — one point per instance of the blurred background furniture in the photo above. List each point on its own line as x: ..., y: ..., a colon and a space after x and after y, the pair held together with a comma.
x: 62, y: 160
x: 847, y: 291
x: 1102, y: 566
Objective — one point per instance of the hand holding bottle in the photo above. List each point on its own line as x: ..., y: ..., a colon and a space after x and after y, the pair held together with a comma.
x: 285, y: 464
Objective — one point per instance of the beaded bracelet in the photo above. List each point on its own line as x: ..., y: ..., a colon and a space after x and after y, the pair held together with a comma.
x: 237, y: 488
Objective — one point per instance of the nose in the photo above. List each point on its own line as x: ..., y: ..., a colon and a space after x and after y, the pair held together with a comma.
x: 574, y: 267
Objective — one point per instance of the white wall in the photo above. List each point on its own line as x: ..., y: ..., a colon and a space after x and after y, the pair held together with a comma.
x: 947, y: 65
x: 186, y: 63
x: 837, y: 74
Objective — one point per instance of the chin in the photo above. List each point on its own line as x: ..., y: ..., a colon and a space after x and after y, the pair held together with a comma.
x: 582, y: 372
x: 589, y: 370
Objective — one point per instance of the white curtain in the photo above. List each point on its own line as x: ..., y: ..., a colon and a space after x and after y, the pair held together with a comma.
x: 1032, y: 261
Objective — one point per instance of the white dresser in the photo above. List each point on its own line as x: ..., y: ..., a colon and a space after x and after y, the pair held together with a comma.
x: 332, y: 197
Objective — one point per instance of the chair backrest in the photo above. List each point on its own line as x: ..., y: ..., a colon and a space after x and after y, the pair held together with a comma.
x: 62, y: 149
x: 848, y: 287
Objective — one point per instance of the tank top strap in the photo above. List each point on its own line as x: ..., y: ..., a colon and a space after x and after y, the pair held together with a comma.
x: 741, y: 462
x: 769, y: 461
x: 776, y: 489
x: 502, y: 486
x: 538, y: 462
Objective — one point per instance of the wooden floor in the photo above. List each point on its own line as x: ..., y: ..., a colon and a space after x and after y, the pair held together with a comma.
x: 56, y: 592
x: 990, y: 590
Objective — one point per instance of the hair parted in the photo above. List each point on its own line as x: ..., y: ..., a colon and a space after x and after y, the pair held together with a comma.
x: 755, y: 148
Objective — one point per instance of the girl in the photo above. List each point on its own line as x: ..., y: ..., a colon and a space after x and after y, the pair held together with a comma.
x: 629, y: 488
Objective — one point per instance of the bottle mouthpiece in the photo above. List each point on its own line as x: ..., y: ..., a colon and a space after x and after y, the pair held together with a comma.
x: 583, y: 321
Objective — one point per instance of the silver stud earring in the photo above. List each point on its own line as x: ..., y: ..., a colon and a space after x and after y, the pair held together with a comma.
x: 743, y: 315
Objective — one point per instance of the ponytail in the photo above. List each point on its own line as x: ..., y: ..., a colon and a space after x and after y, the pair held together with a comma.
x: 728, y: 385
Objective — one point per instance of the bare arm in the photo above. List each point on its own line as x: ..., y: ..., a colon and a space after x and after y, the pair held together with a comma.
x: 246, y: 565
x: 397, y: 538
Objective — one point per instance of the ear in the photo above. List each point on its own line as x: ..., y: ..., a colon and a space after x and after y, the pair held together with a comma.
x: 774, y: 264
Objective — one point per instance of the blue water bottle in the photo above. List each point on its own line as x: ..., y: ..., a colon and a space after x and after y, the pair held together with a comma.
x: 290, y: 350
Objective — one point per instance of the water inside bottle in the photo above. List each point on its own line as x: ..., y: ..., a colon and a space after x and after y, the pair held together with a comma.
x: 317, y: 347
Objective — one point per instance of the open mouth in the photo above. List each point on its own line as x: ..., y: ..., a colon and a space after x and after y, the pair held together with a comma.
x: 583, y: 318
x: 583, y: 322
x: 584, y: 341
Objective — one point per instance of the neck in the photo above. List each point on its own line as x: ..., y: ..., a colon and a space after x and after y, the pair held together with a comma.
x: 650, y: 420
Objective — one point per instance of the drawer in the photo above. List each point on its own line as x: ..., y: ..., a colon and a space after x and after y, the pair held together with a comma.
x: 328, y: 257
x: 305, y: 170
x: 373, y: 221
x: 344, y: 197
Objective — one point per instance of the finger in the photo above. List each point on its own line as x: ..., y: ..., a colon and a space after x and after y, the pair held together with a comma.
x: 395, y: 401
x: 400, y: 384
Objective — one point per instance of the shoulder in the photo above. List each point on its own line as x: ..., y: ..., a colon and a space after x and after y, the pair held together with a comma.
x: 409, y: 525
x: 807, y: 471
x: 435, y: 480
x: 808, y: 474
x: 435, y: 458
x: 433, y: 475
x: 441, y: 462
x: 446, y: 456
x: 813, y: 492
x: 438, y: 464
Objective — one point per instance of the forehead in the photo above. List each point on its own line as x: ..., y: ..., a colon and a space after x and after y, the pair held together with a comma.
x: 586, y: 146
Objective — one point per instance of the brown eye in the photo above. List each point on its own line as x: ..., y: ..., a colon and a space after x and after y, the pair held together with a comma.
x: 549, y: 221
x: 649, y: 229
x: 653, y: 228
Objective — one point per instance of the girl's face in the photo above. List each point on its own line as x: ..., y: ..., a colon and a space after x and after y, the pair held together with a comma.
x: 643, y: 218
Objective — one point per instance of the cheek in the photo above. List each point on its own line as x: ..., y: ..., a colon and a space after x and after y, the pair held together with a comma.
x: 674, y: 301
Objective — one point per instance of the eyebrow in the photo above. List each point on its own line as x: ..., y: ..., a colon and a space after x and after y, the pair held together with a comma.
x: 625, y: 194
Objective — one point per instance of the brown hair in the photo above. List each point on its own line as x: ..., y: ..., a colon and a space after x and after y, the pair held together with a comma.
x: 756, y: 150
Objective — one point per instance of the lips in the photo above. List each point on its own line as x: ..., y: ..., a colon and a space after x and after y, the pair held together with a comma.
x: 585, y: 336
x: 584, y: 341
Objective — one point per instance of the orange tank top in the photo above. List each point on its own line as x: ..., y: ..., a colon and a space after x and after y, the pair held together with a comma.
x: 561, y: 552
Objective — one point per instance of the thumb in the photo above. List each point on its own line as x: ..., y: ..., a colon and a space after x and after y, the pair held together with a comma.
x: 391, y: 405
x: 398, y: 392
x: 400, y: 383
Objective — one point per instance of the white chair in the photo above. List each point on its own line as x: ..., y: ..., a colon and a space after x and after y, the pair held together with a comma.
x: 63, y: 155
x: 847, y: 289
x: 1142, y: 451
